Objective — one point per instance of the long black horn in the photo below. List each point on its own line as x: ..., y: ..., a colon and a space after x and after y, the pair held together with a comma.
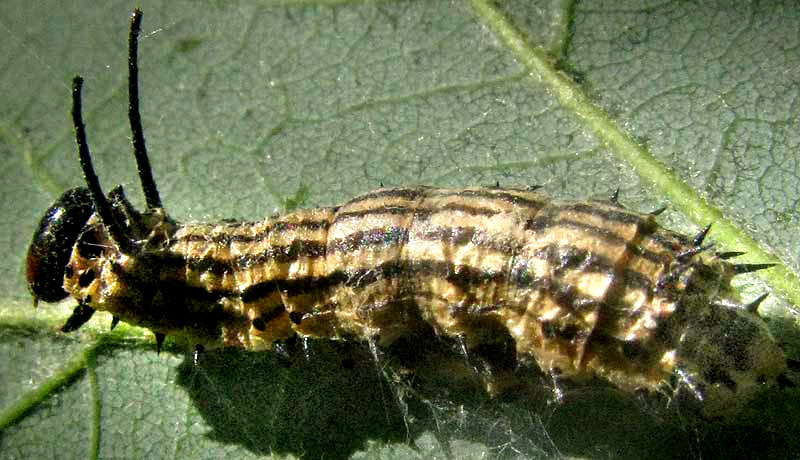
x: 117, y: 231
x: 139, y: 149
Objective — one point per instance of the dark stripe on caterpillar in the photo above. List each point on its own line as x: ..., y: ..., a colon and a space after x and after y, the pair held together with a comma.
x: 279, y: 254
x: 409, y: 194
x: 458, y: 236
x: 228, y: 237
x: 376, y: 237
x: 415, y: 193
x: 502, y: 195
x: 609, y: 213
x: 358, y: 278
x: 461, y: 236
x: 416, y: 211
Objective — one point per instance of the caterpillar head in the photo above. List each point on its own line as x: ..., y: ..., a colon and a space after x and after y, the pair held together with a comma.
x: 52, y: 244
x: 84, y: 227
x: 72, y: 248
x: 725, y: 356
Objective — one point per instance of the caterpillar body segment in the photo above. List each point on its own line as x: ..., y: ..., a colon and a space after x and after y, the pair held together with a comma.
x: 582, y: 289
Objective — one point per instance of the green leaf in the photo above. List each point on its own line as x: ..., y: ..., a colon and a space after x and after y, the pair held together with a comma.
x: 250, y: 107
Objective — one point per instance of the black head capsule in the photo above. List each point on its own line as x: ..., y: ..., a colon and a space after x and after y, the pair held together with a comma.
x: 52, y: 244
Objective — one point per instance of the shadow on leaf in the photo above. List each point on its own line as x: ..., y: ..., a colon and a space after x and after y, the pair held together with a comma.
x: 328, y: 405
x: 334, y: 400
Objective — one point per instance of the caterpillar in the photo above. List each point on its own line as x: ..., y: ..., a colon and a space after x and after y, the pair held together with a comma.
x: 581, y: 289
